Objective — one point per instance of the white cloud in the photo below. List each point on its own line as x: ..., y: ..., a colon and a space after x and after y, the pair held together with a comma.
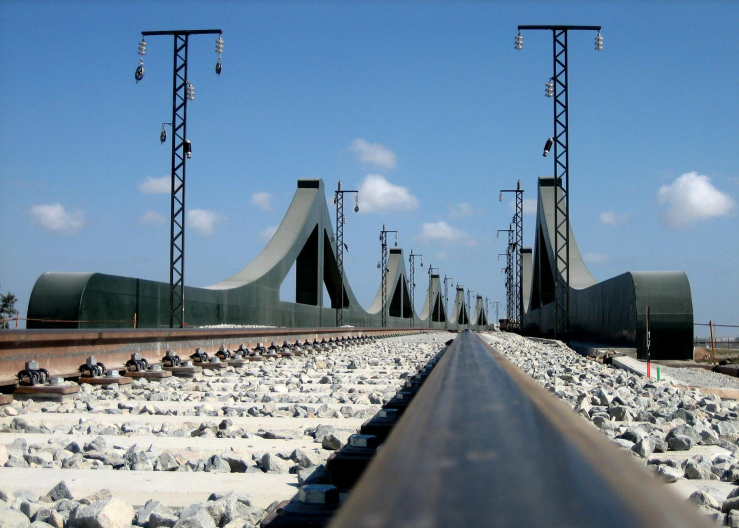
x: 376, y: 194
x: 263, y: 200
x: 55, y: 218
x: 690, y: 199
x: 443, y: 233
x: 267, y: 233
x: 462, y: 209
x: 611, y: 218
x: 374, y: 153
x: 152, y: 217
x: 203, y: 222
x: 161, y: 185
x: 596, y: 258
x: 529, y: 206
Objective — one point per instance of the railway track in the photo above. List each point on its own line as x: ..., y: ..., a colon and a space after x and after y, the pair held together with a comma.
x: 479, y: 444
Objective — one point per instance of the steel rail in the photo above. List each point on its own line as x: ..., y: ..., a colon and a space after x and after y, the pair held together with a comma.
x: 62, y: 352
x: 482, y: 444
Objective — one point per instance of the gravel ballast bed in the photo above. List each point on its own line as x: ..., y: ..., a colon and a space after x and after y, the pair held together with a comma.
x: 698, y: 377
x: 320, y: 391
x: 661, y: 425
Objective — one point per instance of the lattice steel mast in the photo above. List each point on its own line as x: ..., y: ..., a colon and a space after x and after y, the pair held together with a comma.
x: 557, y: 87
x: 518, y: 275
x: 340, y: 246
x: 509, y: 281
x: 412, y: 261
x: 182, y: 91
x: 383, y: 263
x: 446, y: 300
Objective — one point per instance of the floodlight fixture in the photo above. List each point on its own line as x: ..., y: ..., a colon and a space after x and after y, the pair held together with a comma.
x: 219, y: 50
x: 548, y: 146
x: 519, y: 41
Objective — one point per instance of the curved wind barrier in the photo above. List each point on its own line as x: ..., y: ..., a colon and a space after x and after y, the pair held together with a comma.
x: 252, y: 296
x: 612, y: 312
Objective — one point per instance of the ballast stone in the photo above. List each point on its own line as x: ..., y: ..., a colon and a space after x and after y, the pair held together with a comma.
x: 110, y: 513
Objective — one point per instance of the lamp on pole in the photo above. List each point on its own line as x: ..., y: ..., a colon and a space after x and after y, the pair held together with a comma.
x: 469, y: 308
x: 557, y: 88
x: 383, y: 265
x: 340, y: 247
x: 431, y: 310
x: 412, y: 261
x: 486, y: 312
x: 510, y: 312
x: 446, y: 299
x: 518, y: 275
x: 182, y: 92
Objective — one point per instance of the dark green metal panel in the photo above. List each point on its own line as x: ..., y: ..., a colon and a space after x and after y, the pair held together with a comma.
x: 612, y: 312
x: 56, y: 298
x: 252, y: 296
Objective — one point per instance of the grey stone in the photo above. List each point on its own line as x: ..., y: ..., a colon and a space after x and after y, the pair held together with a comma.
x: 110, y: 513
x: 40, y: 524
x: 633, y: 434
x: 733, y: 519
x: 142, y: 516
x: 138, y: 460
x: 273, y: 464
x: 238, y: 462
x: 13, y: 519
x: 195, y: 518
x: 166, y: 462
x: 216, y: 464
x: 660, y: 446
x: 19, y: 443
x: 40, y: 458
x: 29, y: 509
x: 98, y: 444
x: 283, y: 434
x: 60, y: 491
x: 15, y: 460
x: 65, y: 505
x: 668, y: 474
x: 305, y: 459
x: 701, y: 498
x: 621, y: 413
x: 683, y: 430
x: 313, y: 475
x: 25, y: 495
x: 56, y: 519
x: 680, y: 443
x: 699, y: 471
x: 730, y: 504
x: 161, y: 520
x: 101, y: 495
x: 76, y: 461
x: 643, y: 447
x: 603, y: 422
x: 43, y: 513
x: 332, y: 442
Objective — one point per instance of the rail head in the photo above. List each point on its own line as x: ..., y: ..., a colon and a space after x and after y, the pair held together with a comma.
x: 482, y: 444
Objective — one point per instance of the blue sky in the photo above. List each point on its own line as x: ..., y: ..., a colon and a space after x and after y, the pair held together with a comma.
x: 426, y: 102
